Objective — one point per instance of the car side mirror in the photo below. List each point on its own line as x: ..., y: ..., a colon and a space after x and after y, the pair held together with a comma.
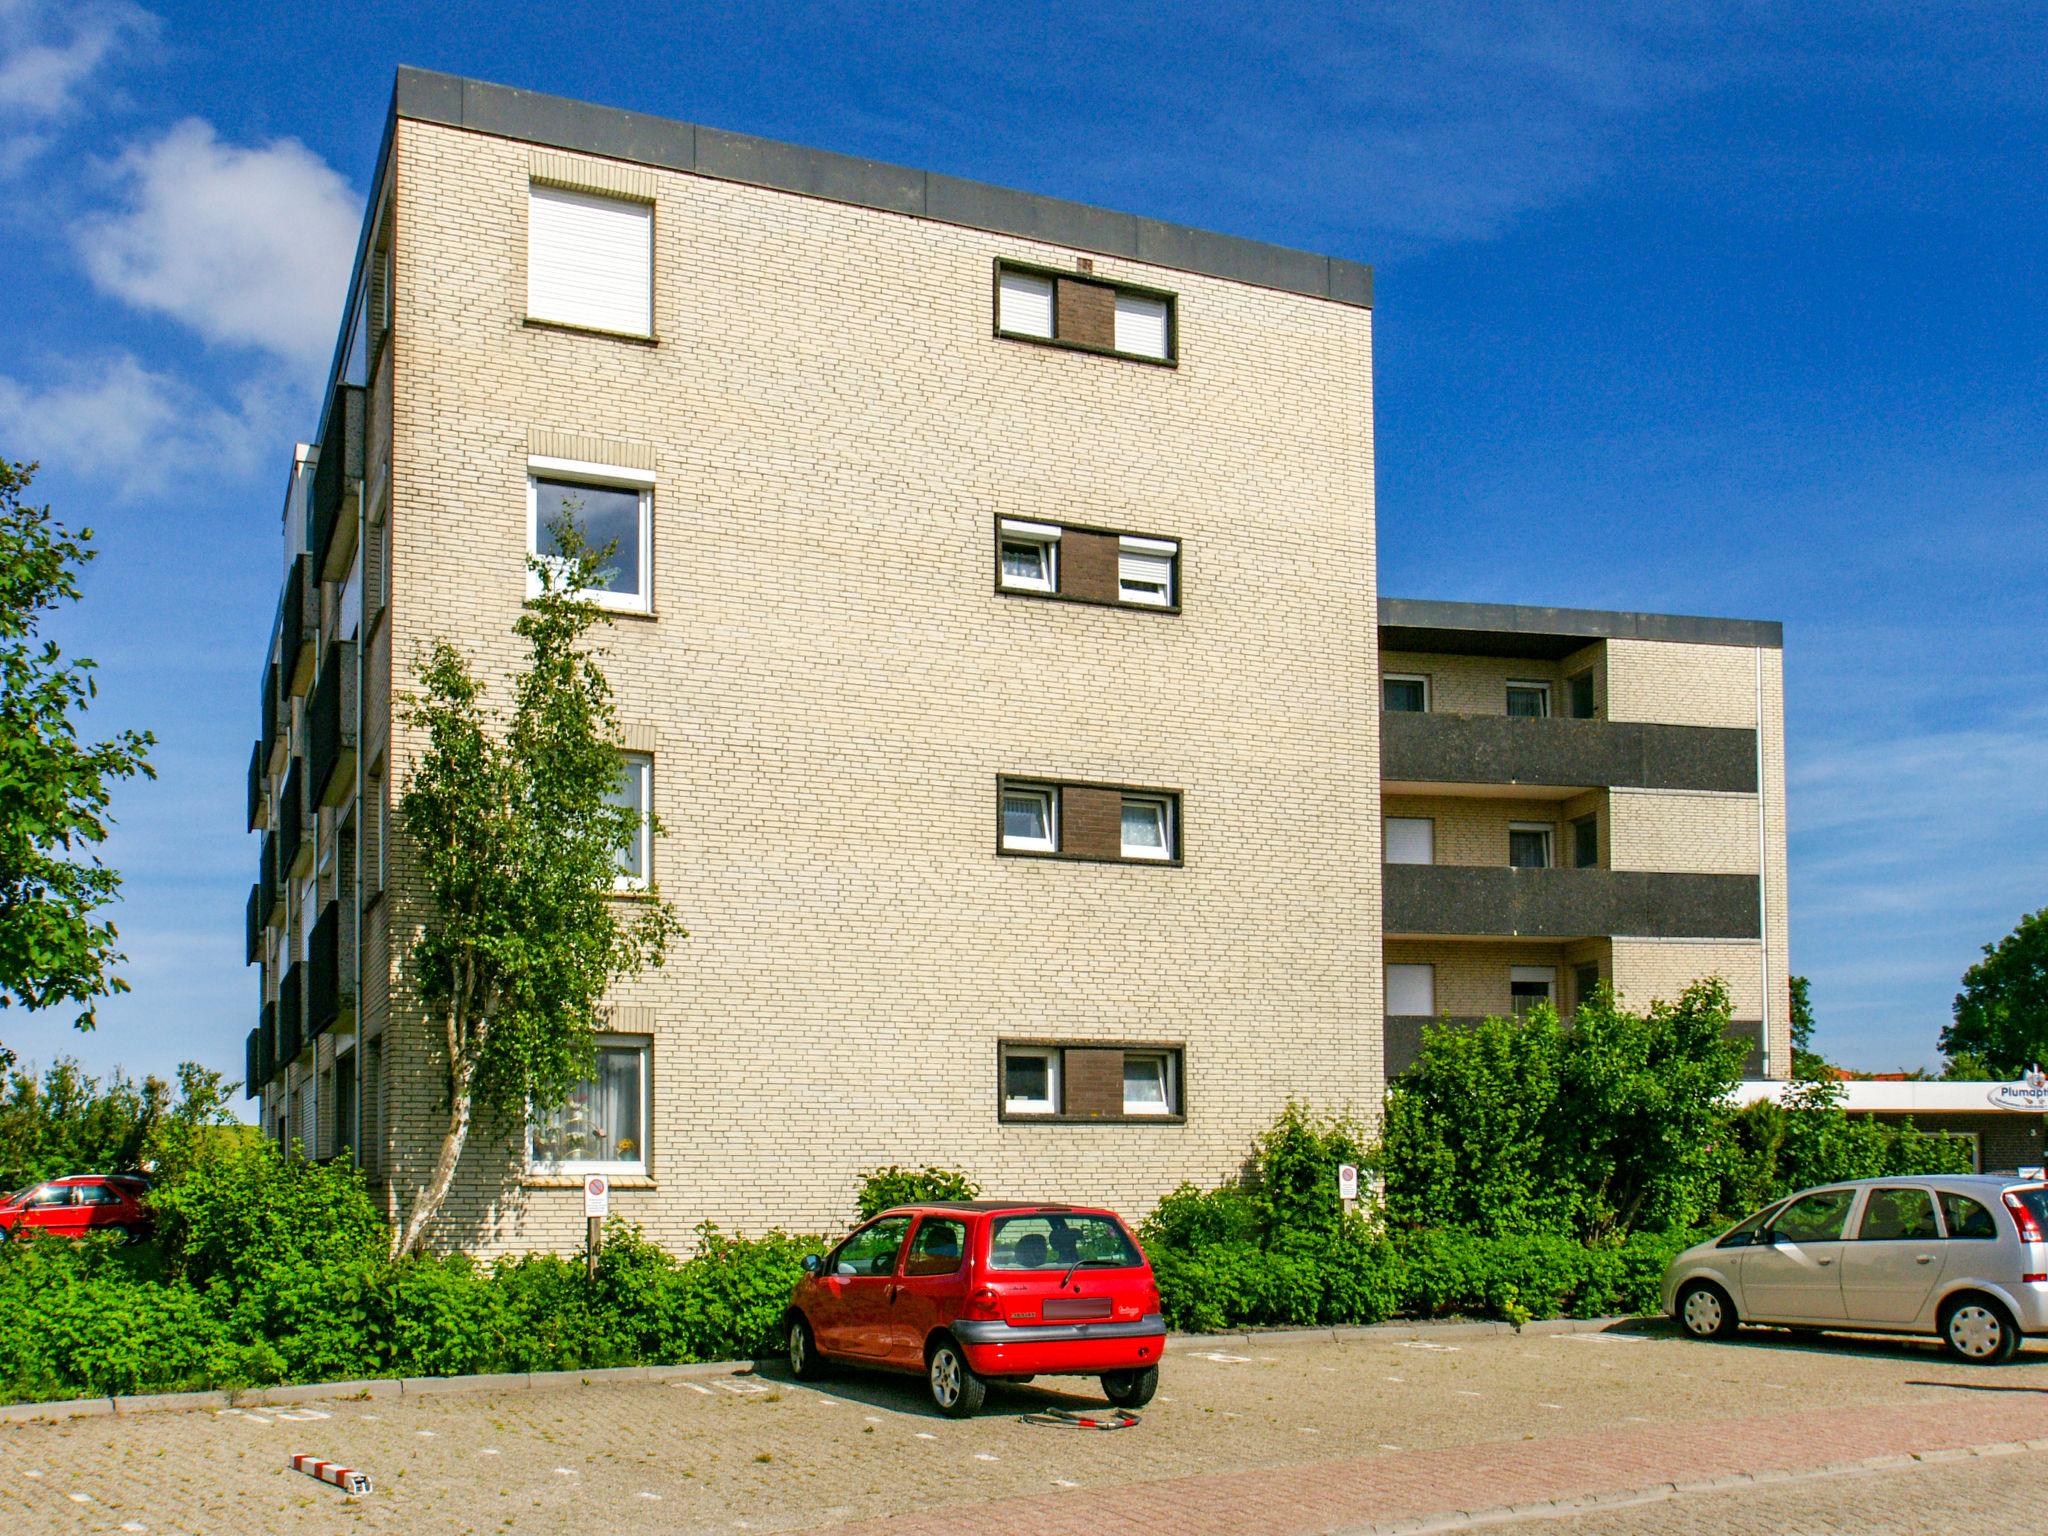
x: 813, y: 1263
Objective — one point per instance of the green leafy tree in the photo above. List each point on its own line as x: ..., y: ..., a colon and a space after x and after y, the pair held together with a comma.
x: 881, y: 1188
x: 68, y: 1122
x: 1807, y: 1064
x: 515, y: 833
x: 2001, y: 1015
x: 54, y: 787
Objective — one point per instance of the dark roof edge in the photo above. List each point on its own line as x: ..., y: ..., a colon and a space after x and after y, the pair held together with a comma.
x: 614, y: 133
x: 1583, y: 623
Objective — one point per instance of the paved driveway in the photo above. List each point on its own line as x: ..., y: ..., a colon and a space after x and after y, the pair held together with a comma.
x: 1385, y: 1429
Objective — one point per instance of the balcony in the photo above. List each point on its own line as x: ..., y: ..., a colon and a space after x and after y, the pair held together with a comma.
x: 291, y: 1015
x: 255, y: 923
x: 337, y: 481
x: 298, y: 622
x: 1559, y: 753
x: 293, y: 814
x: 1480, y: 901
x: 268, y: 714
x: 259, y: 774
x: 252, y: 1063
x: 330, y: 993
x: 331, y: 739
x: 266, y: 1059
x: 269, y: 881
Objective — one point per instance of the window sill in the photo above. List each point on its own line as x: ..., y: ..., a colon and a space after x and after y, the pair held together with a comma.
x: 1170, y: 361
x: 1090, y: 858
x: 569, y: 327
x: 1006, y: 1117
x: 1088, y: 602
x: 575, y: 1180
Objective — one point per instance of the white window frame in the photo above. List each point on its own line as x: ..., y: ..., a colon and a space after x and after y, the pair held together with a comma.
x: 1406, y: 677
x: 1549, y: 831
x: 1528, y: 975
x: 1050, y: 796
x: 1050, y: 1105
x: 1006, y: 278
x: 1387, y: 834
x: 643, y: 1047
x: 1169, y: 1084
x: 609, y: 477
x: 1136, y: 554
x: 643, y: 762
x: 1543, y: 688
x: 1046, y: 536
x: 1165, y: 852
x: 1387, y: 988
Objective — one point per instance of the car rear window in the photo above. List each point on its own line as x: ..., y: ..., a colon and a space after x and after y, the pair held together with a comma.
x: 1059, y: 1240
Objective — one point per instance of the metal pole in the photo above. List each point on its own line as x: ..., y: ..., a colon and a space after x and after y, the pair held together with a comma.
x: 593, y: 1236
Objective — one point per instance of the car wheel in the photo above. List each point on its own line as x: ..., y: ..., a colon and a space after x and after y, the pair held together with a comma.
x: 1978, y: 1329
x: 1131, y: 1389
x: 127, y: 1236
x: 1705, y: 1311
x: 804, y: 1362
x: 956, y: 1391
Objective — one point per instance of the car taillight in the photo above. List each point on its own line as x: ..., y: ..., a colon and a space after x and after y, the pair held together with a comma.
x: 2030, y: 1229
x: 983, y: 1306
x: 2041, y: 1279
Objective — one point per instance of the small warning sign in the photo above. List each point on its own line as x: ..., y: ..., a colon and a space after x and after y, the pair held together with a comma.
x: 597, y: 1196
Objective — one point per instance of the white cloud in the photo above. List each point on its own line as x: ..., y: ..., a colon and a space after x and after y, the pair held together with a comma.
x: 138, y: 431
x: 248, y: 247
x: 48, y: 53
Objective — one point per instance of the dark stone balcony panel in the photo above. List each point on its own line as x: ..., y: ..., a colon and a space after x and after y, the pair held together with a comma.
x: 337, y: 476
x: 1590, y: 754
x: 259, y: 774
x: 294, y: 820
x: 331, y: 737
x: 298, y: 624
x: 291, y: 1015
x: 1490, y: 901
x: 329, y: 990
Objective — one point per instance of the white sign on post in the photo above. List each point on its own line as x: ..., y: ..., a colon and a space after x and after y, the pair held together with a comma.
x: 597, y: 1196
x: 1347, y: 1181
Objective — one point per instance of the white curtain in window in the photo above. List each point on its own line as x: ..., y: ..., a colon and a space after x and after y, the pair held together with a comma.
x: 590, y: 260
x: 601, y: 1122
x: 1024, y: 305
x: 1144, y: 829
x: 1145, y: 1085
x: 1141, y: 325
x: 1411, y: 991
x: 1411, y: 840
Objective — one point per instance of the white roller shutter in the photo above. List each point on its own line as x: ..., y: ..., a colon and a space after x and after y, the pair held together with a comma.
x: 1141, y: 325
x: 1144, y: 570
x: 1411, y: 991
x: 590, y: 260
x: 1411, y: 840
x: 1025, y: 307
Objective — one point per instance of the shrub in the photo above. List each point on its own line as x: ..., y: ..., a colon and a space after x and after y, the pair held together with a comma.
x: 444, y: 1317
x: 735, y: 1290
x: 881, y: 1188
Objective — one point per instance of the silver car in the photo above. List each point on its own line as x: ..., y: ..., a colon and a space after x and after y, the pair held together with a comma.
x: 1961, y: 1257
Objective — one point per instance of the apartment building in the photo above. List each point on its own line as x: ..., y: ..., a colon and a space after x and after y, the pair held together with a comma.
x: 992, y: 604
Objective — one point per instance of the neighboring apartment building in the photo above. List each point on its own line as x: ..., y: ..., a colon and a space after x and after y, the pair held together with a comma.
x: 992, y: 602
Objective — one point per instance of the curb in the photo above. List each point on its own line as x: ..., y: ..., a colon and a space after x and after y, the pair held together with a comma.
x: 1414, y: 1328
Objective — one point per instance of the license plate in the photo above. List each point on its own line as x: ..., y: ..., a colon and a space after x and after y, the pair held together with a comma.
x: 1075, y: 1308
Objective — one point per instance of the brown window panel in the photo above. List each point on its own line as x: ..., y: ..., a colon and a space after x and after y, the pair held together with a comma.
x: 1092, y: 822
x: 1085, y: 313
x: 1094, y: 1087
x: 1088, y: 564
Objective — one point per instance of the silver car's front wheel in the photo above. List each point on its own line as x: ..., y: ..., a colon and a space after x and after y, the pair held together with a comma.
x: 1706, y: 1312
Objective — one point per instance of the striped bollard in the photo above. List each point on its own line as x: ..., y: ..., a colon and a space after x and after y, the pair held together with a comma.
x: 344, y: 1478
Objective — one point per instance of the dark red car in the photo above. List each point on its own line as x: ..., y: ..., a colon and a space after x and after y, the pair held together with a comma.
x: 966, y: 1292
x: 82, y: 1203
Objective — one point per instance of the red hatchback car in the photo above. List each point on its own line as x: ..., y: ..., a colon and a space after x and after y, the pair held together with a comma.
x: 82, y: 1203
x: 970, y: 1291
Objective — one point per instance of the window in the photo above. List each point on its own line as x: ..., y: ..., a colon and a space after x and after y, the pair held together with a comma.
x: 348, y: 599
x: 1529, y: 701
x: 938, y: 1248
x: 1028, y: 820
x: 1144, y: 571
x: 1529, y: 844
x: 872, y: 1250
x: 611, y: 509
x: 1585, y: 982
x: 1815, y: 1218
x: 1404, y: 695
x: 1744, y: 1233
x: 590, y: 261
x: 634, y: 793
x: 1060, y: 1240
x: 1031, y: 1081
x: 346, y: 1136
x: 1586, y: 842
x: 1529, y: 985
x: 602, y: 1125
x: 1147, y: 827
x: 1077, y: 310
x: 1030, y: 555
x: 97, y: 1194
x: 1024, y: 304
x: 1578, y: 692
x: 50, y: 1196
x: 305, y: 1129
x: 1411, y: 991
x: 1897, y: 1215
x: 1411, y: 840
x: 1148, y: 1083
x: 1965, y: 1218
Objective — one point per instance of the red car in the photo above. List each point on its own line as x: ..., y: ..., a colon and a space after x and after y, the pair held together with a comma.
x: 82, y: 1203
x: 972, y: 1291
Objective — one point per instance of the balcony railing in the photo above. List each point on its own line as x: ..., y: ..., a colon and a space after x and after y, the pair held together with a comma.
x: 252, y: 1062
x: 269, y: 880
x: 337, y: 476
x: 259, y: 774
x: 291, y: 1015
x: 331, y: 743
x: 255, y: 924
x: 298, y: 623
x: 268, y: 715
x: 266, y: 1063
x: 329, y: 994
x: 1586, y: 754
x: 292, y: 815
x: 1467, y: 901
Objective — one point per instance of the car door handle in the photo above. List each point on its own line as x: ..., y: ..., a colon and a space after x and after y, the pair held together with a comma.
x: 1824, y: 1263
x: 1923, y: 1258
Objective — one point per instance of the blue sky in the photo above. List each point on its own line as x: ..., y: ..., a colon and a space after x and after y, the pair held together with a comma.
x: 1713, y: 310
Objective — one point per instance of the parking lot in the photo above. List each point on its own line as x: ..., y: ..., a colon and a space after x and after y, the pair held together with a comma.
x: 1586, y: 1431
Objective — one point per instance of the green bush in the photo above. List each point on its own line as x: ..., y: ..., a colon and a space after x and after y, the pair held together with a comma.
x: 882, y: 1188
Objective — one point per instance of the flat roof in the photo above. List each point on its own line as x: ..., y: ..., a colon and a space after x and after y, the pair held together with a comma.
x: 1549, y: 634
x: 426, y: 96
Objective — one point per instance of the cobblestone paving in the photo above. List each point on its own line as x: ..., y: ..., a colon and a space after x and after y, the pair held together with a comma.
x: 1392, y: 1430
